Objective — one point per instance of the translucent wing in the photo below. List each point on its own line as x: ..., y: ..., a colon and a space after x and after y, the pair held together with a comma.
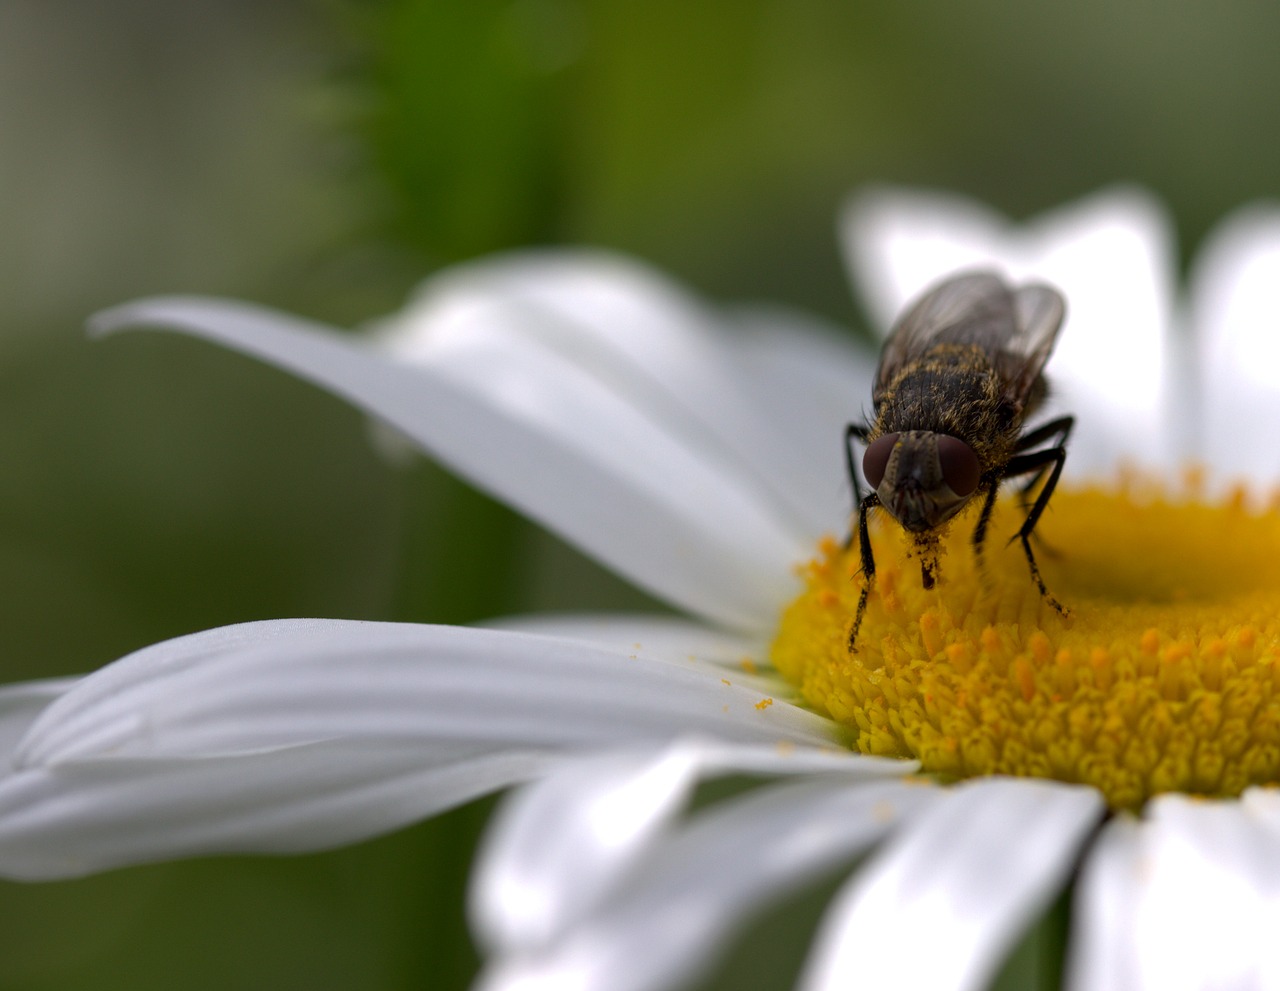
x: 1016, y: 328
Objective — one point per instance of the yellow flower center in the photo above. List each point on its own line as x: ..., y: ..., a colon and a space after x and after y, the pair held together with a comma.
x: 1166, y: 677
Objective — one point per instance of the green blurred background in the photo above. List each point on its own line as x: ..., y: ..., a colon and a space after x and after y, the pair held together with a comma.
x: 324, y: 155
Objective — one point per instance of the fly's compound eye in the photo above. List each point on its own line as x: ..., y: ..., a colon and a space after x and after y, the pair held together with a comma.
x: 959, y: 465
x: 876, y: 459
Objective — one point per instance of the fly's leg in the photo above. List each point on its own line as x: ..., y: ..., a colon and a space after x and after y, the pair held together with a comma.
x: 853, y: 432
x: 984, y: 520
x: 1051, y: 459
x: 868, y: 565
x: 858, y: 432
x: 1058, y: 430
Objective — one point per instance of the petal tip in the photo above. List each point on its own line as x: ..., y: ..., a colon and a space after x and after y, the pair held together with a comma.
x: 152, y: 311
x: 108, y: 321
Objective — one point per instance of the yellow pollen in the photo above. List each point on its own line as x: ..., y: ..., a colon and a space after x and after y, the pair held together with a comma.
x: 1166, y: 676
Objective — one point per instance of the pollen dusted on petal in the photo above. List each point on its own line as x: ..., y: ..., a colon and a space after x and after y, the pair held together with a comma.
x: 1166, y: 679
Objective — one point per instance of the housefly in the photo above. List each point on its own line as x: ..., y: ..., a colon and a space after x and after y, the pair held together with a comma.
x: 960, y: 373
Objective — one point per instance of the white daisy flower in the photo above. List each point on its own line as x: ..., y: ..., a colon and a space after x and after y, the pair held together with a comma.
x: 980, y: 748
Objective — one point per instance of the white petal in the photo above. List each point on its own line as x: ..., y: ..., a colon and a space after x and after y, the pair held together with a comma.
x: 282, y: 683
x: 696, y: 887
x: 289, y: 735
x: 20, y: 704
x: 899, y: 241
x: 810, y: 382
x: 1263, y: 804
x: 1112, y: 254
x: 942, y: 902
x: 79, y: 817
x: 743, y: 660
x: 550, y: 440
x: 559, y: 847
x: 1234, y: 310
x: 1101, y: 954
x: 1194, y: 892
x: 611, y: 320
x: 668, y: 638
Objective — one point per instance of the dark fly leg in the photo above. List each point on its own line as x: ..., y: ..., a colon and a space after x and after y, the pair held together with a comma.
x: 1059, y: 430
x: 868, y: 565
x: 1050, y: 459
x: 984, y: 519
x: 852, y: 432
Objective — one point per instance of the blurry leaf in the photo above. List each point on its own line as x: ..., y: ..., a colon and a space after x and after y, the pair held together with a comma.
x: 462, y: 118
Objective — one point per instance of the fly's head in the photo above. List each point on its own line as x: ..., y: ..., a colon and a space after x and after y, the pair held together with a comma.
x: 922, y: 478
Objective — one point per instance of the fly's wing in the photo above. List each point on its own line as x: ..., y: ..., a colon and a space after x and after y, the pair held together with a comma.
x: 1040, y: 310
x: 1015, y: 328
x: 970, y: 308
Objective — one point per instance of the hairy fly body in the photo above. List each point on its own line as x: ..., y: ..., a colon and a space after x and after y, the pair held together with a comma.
x: 960, y: 373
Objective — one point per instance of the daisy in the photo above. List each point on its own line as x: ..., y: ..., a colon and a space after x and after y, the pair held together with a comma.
x: 979, y: 753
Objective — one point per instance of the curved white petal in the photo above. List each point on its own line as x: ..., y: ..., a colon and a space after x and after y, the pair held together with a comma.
x: 282, y: 683
x: 1235, y: 312
x: 698, y: 884
x: 1112, y: 254
x: 300, y: 734
x: 549, y: 439
x: 1101, y: 954
x: 1263, y: 804
x: 83, y: 816
x: 965, y: 878
x: 742, y: 660
x: 810, y: 382
x: 560, y: 847
x: 20, y: 704
x: 668, y: 638
x: 610, y: 320
x: 1190, y: 898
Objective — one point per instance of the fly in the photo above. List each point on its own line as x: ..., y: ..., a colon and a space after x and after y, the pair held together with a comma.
x: 960, y: 373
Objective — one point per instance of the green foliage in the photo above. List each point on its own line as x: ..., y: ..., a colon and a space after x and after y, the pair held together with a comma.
x: 462, y: 121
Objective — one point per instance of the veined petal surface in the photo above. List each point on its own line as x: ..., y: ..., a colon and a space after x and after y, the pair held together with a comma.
x: 741, y: 660
x: 579, y: 316
x: 300, y: 734
x: 21, y: 704
x: 84, y: 816
x: 1234, y: 304
x: 550, y: 440
x: 809, y: 381
x: 700, y: 881
x: 563, y: 846
x: 1188, y: 898
x: 966, y: 878
x: 280, y: 683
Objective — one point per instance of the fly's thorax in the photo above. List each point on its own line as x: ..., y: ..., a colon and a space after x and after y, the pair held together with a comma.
x: 922, y: 478
x: 954, y: 390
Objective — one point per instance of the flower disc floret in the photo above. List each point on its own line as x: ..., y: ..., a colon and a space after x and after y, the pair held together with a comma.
x: 1165, y: 678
